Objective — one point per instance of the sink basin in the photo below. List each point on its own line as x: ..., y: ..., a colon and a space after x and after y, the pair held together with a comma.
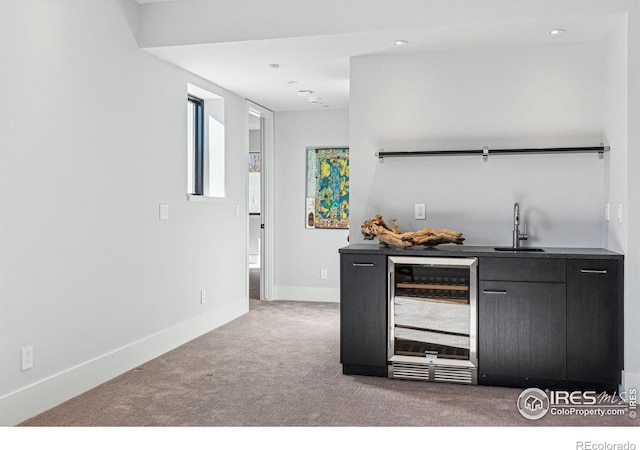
x: 521, y: 249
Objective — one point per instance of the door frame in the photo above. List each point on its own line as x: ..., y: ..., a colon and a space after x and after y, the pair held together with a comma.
x: 267, y: 127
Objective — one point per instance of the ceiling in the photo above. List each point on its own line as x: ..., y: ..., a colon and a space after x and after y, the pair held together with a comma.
x: 320, y: 62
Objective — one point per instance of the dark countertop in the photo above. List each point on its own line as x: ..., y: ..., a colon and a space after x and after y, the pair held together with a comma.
x: 452, y: 250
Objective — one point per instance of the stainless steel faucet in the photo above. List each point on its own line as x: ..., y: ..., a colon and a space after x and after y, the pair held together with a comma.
x: 517, y: 236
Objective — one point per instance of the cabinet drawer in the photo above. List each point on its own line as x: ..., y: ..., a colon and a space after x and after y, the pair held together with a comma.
x: 523, y: 269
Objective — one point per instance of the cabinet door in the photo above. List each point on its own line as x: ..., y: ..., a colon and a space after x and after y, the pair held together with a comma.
x: 363, y: 311
x: 522, y: 329
x: 594, y: 320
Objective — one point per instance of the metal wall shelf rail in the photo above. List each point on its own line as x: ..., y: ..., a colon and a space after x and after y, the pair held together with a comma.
x: 485, y: 152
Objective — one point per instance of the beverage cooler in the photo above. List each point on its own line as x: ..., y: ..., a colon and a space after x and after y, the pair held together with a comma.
x: 433, y: 319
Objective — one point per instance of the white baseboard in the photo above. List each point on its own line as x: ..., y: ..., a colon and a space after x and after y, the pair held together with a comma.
x: 306, y: 294
x: 36, y: 398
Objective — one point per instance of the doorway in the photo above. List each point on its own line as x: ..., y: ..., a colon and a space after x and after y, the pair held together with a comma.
x: 255, y: 204
x: 260, y: 232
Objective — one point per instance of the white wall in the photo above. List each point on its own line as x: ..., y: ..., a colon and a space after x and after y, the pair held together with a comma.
x: 300, y: 253
x: 616, y: 133
x: 93, y: 136
x: 622, y: 131
x: 254, y: 239
x: 631, y: 214
x: 533, y: 96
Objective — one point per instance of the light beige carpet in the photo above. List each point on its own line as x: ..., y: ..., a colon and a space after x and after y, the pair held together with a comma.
x: 278, y: 365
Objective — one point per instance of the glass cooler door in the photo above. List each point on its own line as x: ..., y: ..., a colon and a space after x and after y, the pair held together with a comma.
x: 432, y: 308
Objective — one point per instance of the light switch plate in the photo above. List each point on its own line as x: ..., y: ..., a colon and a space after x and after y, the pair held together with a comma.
x: 164, y: 211
x: 619, y: 212
x: 420, y: 211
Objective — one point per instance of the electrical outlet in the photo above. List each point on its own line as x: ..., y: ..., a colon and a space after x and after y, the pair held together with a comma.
x: 420, y: 211
x: 203, y: 297
x: 27, y: 357
x: 323, y: 274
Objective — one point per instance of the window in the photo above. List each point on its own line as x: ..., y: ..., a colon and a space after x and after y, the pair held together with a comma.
x: 195, y: 145
x: 205, y: 143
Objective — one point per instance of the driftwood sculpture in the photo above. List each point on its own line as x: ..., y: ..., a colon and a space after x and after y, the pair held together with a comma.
x: 388, y: 236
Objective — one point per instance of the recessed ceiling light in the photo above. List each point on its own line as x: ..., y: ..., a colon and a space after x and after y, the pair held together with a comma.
x: 400, y: 42
x: 557, y: 32
x: 274, y: 66
x: 305, y: 93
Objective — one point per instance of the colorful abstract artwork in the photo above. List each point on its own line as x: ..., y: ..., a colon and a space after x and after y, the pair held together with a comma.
x: 327, y: 199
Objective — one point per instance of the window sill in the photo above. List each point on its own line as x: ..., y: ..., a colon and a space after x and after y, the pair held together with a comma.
x: 204, y: 198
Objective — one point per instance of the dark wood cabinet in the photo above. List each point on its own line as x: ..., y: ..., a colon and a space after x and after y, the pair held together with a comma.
x: 551, y: 321
x: 522, y: 320
x: 595, y: 328
x: 363, y: 314
x: 554, y: 323
x: 522, y: 329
